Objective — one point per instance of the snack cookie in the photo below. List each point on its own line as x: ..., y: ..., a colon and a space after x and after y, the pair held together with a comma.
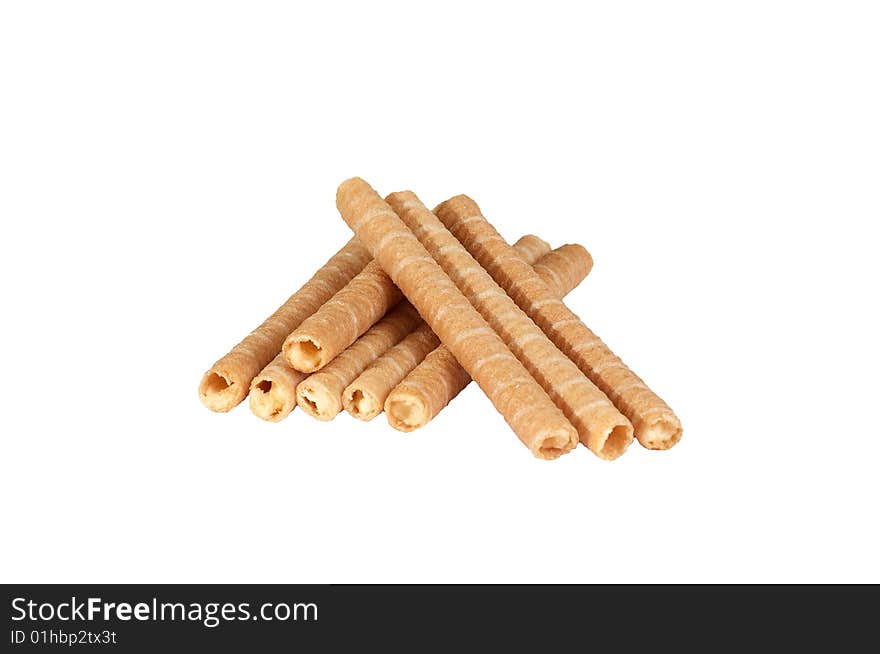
x: 656, y: 426
x: 273, y: 392
x: 601, y: 427
x: 341, y: 320
x: 320, y: 394
x: 527, y: 408
x: 437, y: 380
x: 531, y: 247
x: 564, y: 268
x: 226, y: 384
x: 365, y: 397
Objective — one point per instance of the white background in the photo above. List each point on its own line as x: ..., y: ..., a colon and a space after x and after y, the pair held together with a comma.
x: 167, y: 178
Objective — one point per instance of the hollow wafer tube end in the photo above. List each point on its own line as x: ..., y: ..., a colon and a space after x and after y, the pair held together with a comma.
x: 218, y: 392
x: 361, y: 403
x: 406, y: 411
x: 317, y: 401
x: 660, y: 433
x: 305, y: 353
x: 272, y: 395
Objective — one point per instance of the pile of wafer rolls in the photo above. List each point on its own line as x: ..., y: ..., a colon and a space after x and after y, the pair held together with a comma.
x: 419, y: 303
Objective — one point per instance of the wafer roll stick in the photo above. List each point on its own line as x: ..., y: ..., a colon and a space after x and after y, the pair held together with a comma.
x: 601, y: 427
x: 564, y: 268
x: 437, y: 380
x: 226, y: 383
x: 354, y: 309
x: 320, y: 394
x: 425, y: 391
x: 656, y: 426
x: 530, y: 412
x: 341, y: 320
x: 365, y: 397
x: 273, y: 392
x: 531, y: 247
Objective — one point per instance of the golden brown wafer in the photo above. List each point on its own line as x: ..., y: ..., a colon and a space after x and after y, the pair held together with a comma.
x: 437, y: 380
x: 601, y: 427
x: 425, y: 391
x: 227, y: 382
x: 564, y: 268
x: 354, y: 309
x: 273, y: 392
x: 531, y: 247
x: 656, y: 426
x: 526, y: 407
x: 365, y: 397
x: 341, y: 320
x: 320, y: 394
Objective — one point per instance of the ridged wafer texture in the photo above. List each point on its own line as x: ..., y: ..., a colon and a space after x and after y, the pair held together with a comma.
x: 656, y: 426
x: 531, y: 247
x: 341, y: 320
x: 526, y: 407
x: 273, y: 392
x: 437, y: 380
x: 227, y: 382
x: 601, y: 427
x: 320, y: 394
x: 564, y: 268
x: 365, y: 397
x: 424, y: 392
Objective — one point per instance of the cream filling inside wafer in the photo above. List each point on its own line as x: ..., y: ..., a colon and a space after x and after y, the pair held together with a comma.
x: 305, y: 355
x: 660, y: 435
x: 315, y: 401
x: 406, y: 412
x: 362, y: 404
x: 553, y: 446
x: 268, y: 399
x: 214, y: 390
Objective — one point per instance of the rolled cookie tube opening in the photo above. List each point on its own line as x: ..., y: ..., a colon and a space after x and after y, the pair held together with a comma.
x: 406, y: 411
x: 366, y: 395
x: 318, y: 401
x: 660, y: 434
x: 361, y: 403
x: 437, y: 380
x: 526, y: 407
x: 425, y: 391
x: 552, y: 446
x: 305, y: 354
x: 616, y: 442
x: 341, y: 320
x: 217, y: 391
x: 273, y: 392
x: 585, y: 405
x: 266, y: 401
x: 462, y: 216
x: 321, y: 393
x: 227, y: 382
